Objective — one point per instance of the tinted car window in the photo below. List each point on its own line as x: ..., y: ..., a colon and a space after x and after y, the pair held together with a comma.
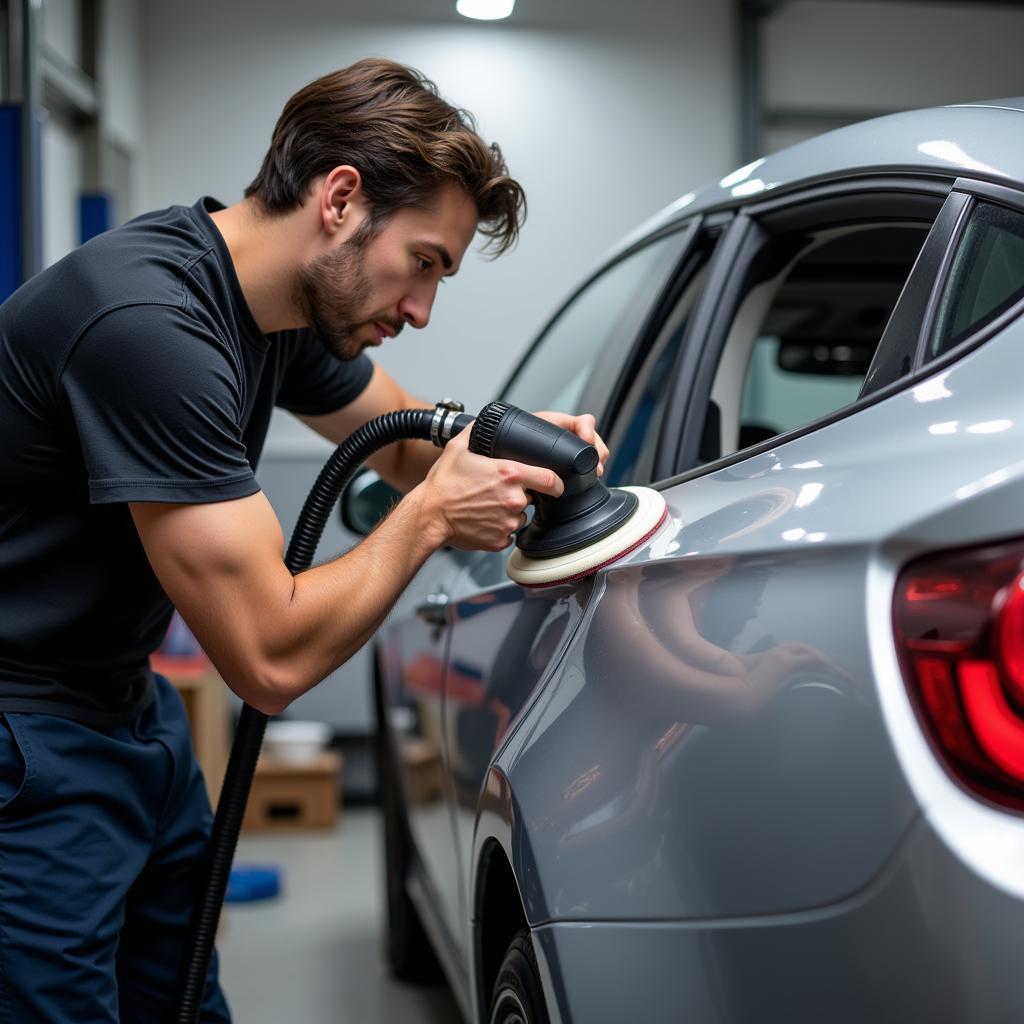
x: 634, y: 440
x: 777, y: 399
x: 986, y: 279
x: 817, y: 317
x: 632, y: 454
x: 574, y: 365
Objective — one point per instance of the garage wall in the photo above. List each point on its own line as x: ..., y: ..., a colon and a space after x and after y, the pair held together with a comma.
x: 842, y: 57
x: 121, y: 73
x: 119, y: 117
x: 605, y: 117
x: 62, y: 145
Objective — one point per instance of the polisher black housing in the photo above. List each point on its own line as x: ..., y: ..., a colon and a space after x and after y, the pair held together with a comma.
x: 586, y: 512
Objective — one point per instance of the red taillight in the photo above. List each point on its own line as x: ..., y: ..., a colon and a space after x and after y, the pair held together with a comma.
x: 1011, y: 637
x: 959, y: 620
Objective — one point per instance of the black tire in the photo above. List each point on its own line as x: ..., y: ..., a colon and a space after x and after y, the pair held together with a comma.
x: 518, y: 997
x: 407, y: 949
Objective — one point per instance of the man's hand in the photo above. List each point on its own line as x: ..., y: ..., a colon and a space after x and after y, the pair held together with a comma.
x: 476, y: 503
x: 584, y: 427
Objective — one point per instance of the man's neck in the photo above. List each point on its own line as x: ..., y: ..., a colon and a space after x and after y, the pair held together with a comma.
x: 266, y: 251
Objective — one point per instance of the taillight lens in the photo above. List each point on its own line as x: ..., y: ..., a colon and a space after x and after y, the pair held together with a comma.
x: 959, y: 620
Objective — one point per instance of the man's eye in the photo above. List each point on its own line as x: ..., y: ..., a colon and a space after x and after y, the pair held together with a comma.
x: 423, y: 264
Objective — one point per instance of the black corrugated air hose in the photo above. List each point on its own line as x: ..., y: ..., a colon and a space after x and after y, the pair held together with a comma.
x: 408, y: 424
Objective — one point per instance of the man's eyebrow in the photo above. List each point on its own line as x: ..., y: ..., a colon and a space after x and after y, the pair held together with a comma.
x: 442, y: 253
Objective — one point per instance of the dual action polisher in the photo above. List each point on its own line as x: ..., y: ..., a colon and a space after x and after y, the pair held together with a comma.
x: 589, y: 527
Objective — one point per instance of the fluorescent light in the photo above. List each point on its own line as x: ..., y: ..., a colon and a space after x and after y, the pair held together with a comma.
x: 485, y: 10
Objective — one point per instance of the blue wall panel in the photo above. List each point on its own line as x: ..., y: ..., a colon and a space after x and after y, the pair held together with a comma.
x: 10, y: 199
x: 95, y: 215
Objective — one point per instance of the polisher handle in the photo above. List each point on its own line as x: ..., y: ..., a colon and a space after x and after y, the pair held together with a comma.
x: 502, y: 431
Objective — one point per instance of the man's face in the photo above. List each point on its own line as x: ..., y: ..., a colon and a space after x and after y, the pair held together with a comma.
x: 373, y: 283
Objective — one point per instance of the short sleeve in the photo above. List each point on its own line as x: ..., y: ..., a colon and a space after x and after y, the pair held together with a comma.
x: 314, y: 382
x: 156, y: 401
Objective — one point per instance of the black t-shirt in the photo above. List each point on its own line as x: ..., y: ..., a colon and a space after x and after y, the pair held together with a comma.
x: 132, y: 370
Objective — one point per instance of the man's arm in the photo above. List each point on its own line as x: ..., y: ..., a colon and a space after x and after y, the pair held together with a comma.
x: 405, y: 464
x: 273, y: 636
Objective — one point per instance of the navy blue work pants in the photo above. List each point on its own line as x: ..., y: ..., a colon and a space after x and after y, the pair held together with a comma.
x: 102, y: 830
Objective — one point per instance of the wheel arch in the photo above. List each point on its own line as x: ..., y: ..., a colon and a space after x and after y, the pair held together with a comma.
x: 500, y: 906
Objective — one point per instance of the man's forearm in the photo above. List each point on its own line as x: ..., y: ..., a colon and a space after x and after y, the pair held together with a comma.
x: 405, y: 464
x: 336, y: 607
x: 272, y: 635
x: 409, y: 464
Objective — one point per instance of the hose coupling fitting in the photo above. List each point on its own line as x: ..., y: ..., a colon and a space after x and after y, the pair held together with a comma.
x: 446, y: 412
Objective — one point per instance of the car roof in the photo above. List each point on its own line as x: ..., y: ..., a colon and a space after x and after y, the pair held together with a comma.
x: 977, y: 140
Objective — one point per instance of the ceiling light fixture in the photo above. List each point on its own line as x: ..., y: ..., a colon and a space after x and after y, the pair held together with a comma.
x: 485, y: 10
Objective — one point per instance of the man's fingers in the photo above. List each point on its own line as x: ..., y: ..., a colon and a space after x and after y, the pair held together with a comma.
x: 584, y: 427
x: 536, y: 478
x: 460, y: 442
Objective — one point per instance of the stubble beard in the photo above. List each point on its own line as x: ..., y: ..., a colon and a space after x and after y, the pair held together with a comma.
x: 332, y: 292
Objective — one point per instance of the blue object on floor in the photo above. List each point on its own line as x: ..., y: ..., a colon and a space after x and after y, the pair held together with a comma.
x: 249, y: 882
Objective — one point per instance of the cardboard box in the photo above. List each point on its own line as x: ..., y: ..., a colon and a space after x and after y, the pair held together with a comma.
x: 291, y: 796
x: 204, y: 694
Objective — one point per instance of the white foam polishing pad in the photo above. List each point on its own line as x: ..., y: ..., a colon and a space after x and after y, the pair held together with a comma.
x: 639, y: 528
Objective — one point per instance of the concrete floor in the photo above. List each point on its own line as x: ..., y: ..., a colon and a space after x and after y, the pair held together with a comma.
x: 313, y: 956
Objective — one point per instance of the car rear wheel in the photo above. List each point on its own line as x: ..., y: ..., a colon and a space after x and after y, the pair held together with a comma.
x: 518, y: 997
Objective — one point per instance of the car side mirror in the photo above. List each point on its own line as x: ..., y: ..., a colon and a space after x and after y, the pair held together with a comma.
x: 365, y: 502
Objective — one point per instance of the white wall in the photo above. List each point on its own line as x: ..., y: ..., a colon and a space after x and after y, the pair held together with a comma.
x: 62, y: 155
x: 605, y: 118
x: 118, y: 73
x: 845, y: 55
x: 120, y: 77
x: 62, y: 151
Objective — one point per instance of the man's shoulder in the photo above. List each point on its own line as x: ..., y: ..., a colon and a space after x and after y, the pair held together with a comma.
x: 157, y: 262
x: 149, y: 256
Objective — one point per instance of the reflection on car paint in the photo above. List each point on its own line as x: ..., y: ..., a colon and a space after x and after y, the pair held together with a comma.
x: 726, y: 754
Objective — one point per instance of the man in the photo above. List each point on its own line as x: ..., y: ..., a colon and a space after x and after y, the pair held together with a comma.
x: 137, y: 378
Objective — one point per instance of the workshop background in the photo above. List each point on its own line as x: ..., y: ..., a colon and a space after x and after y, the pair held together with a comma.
x: 606, y: 112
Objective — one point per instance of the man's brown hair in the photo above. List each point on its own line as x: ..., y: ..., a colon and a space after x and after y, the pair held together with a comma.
x: 389, y: 122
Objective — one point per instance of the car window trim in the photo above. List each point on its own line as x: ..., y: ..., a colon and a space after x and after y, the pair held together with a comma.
x: 1002, y: 195
x: 938, y: 288
x: 640, y: 343
x: 680, y: 438
x: 686, y: 229
x: 920, y: 372
x: 719, y: 287
x: 939, y: 187
x: 885, y: 178
x: 918, y: 296
x: 846, y: 206
x: 979, y: 191
x: 688, y: 264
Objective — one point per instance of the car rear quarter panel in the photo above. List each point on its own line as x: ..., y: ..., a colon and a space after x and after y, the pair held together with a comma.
x: 719, y: 740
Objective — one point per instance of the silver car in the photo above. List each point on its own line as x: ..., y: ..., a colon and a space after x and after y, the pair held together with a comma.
x: 770, y: 766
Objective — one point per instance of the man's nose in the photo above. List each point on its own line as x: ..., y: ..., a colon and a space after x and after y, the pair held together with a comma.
x: 415, y: 309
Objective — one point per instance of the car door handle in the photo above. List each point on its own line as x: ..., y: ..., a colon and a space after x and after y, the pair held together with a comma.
x: 434, y: 610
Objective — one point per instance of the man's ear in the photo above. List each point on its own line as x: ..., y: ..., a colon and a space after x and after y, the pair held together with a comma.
x: 342, y: 201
